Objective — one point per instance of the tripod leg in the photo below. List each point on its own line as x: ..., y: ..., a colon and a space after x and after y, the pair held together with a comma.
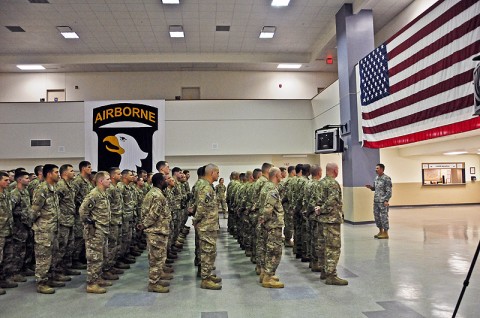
x: 467, y: 280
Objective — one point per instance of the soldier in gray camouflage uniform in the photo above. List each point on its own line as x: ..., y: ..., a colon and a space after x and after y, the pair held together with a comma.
x: 156, y: 217
x: 6, y: 224
x: 206, y: 222
x: 95, y: 215
x: 383, y: 192
x: 330, y: 210
x: 46, y: 209
x: 271, y: 220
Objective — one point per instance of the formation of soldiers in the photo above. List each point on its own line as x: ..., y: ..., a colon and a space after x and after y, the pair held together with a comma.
x: 53, y: 223
x: 307, y: 206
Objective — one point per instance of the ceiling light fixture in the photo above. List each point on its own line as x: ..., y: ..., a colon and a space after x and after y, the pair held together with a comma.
x: 289, y: 66
x: 267, y: 32
x: 30, y: 67
x: 67, y: 32
x: 171, y: 1
x: 451, y: 153
x: 280, y: 3
x: 176, y: 31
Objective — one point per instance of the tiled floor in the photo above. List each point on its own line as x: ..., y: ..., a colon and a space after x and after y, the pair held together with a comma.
x: 419, y: 272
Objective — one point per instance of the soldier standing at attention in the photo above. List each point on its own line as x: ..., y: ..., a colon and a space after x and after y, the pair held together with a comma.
x: 129, y: 196
x: 82, y: 187
x: 383, y: 192
x: 115, y: 230
x: 34, y: 183
x: 283, y: 190
x: 206, y: 221
x: 66, y: 221
x: 330, y: 210
x: 6, y: 221
x: 156, y: 217
x: 45, y: 225
x: 95, y: 215
x: 272, y: 221
x: 312, y: 197
x: 163, y: 167
x: 221, y: 192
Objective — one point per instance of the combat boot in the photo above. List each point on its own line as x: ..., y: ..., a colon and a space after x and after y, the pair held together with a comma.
x: 258, y: 270
x: 215, y: 279
x: 269, y: 282
x: 135, y: 253
x: 248, y: 253
x: 252, y: 259
x: 262, y: 275
x: 78, y: 265
x: 7, y: 284
x: 335, y: 280
x: 117, y: 271
x: 199, y: 271
x: 122, y: 265
x: 209, y: 284
x: 166, y: 276
x: 45, y: 289
x: 316, y: 267
x: 61, y: 278
x: 168, y: 269
x: 71, y: 272
x: 28, y: 272
x: 164, y: 283
x: 128, y: 260
x: 95, y: 289
x: 109, y: 276
x: 18, y: 278
x: 104, y: 283
x: 383, y: 235
x: 54, y: 283
x: 169, y: 261
x: 178, y: 245
x: 323, y: 275
x: 2, y: 291
x: 157, y: 289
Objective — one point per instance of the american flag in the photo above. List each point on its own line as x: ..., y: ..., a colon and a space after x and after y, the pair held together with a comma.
x: 418, y: 84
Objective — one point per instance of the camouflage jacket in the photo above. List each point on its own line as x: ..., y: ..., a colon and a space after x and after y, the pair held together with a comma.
x: 32, y: 186
x: 257, y: 188
x: 129, y: 196
x: 156, y: 215
x: 195, y: 188
x: 312, y: 198
x: 206, y: 216
x: 330, y: 202
x: 249, y: 197
x: 21, y: 207
x: 82, y: 187
x: 290, y: 191
x: 45, y: 208
x: 383, y: 189
x: 140, y: 198
x: 177, y: 200
x: 6, y: 218
x: 230, y: 188
x: 267, y: 187
x: 298, y: 193
x: 116, y: 204
x: 233, y: 195
x: 239, y: 197
x: 66, y: 197
x: 244, y: 198
x: 96, y: 207
x: 284, y: 192
x: 272, y: 209
x: 221, y: 192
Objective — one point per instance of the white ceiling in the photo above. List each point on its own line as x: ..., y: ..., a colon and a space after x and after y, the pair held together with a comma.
x: 132, y: 35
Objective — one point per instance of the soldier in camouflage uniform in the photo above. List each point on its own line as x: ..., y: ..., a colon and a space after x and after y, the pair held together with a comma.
x: 298, y: 218
x: 291, y: 196
x: 66, y: 220
x: 15, y: 254
x: 95, y: 215
x: 237, y: 209
x: 250, y: 218
x: 34, y: 183
x: 156, y: 217
x: 234, y: 176
x: 312, y: 197
x: 272, y: 222
x: 206, y: 221
x: 221, y: 192
x: 193, y: 207
x: 6, y: 224
x: 283, y: 189
x: 260, y: 233
x: 45, y: 207
x: 82, y: 186
x: 186, y: 197
x: 129, y: 195
x: 331, y: 216
x: 242, y: 199
x: 115, y: 229
x: 178, y: 204
x: 383, y: 192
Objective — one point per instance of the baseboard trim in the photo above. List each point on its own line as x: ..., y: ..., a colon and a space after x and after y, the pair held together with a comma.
x: 431, y: 205
x: 359, y: 223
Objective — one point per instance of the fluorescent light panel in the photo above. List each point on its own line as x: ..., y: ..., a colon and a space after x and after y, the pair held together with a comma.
x: 67, y: 32
x: 289, y: 66
x: 267, y: 32
x: 451, y: 153
x: 176, y: 31
x: 30, y: 67
x: 280, y: 3
x: 171, y: 1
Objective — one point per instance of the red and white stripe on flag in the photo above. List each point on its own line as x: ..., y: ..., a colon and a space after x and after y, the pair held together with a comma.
x: 418, y: 84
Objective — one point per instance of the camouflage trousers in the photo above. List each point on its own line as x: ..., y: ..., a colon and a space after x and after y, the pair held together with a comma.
x: 229, y: 221
x: 253, y: 216
x: 114, y: 244
x: 222, y: 206
x: 15, y: 250
x: 177, y: 224
x: 96, y: 243
x: 127, y: 234
x: 46, y: 247
x: 318, y: 243
x: 298, y: 234
x: 261, y: 244
x: 247, y: 233
x: 3, y: 242
x: 380, y: 212
x: 288, y: 218
x: 197, y: 248
x: 306, y: 239
x: 79, y: 242
x: 157, y: 254
x: 171, y: 236
x: 331, y: 233
x: 63, y: 257
x: 273, y: 250
x: 208, y: 252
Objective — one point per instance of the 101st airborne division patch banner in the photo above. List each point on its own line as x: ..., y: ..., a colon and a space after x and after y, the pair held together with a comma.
x: 125, y: 134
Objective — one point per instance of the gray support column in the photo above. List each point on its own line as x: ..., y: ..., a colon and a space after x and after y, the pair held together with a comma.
x: 355, y: 39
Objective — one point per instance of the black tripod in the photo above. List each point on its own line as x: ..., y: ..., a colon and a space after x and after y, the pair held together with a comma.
x: 467, y: 280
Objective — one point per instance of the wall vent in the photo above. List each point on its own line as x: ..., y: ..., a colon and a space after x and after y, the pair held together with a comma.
x: 15, y: 28
x: 40, y: 143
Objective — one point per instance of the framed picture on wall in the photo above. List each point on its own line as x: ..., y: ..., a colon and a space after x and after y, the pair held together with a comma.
x: 472, y: 170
